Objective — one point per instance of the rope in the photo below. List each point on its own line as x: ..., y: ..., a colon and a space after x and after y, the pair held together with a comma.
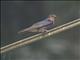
x: 37, y: 37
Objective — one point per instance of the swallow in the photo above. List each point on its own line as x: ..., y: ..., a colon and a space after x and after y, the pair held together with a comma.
x: 41, y: 26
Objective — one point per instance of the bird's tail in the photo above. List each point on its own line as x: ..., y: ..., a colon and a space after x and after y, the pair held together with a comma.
x: 25, y: 30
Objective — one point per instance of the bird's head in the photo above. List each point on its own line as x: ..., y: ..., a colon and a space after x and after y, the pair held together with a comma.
x: 52, y: 17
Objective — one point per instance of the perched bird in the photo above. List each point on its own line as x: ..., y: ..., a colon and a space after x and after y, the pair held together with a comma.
x: 41, y: 26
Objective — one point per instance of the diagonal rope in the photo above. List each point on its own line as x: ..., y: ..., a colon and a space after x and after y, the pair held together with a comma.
x: 40, y: 36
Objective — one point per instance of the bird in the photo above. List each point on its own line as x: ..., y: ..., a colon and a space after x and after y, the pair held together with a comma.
x: 41, y: 26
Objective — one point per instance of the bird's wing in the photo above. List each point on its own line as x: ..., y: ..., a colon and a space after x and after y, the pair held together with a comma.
x: 41, y: 23
x: 33, y: 28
